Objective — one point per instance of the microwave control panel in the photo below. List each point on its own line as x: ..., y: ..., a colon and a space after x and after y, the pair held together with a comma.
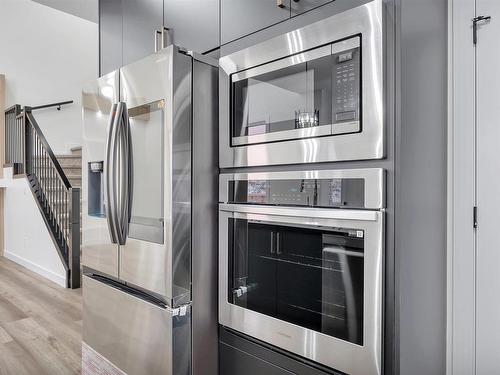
x: 346, y: 91
x: 348, y: 192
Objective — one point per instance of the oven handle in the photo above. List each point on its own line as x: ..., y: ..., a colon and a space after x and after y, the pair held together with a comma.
x: 331, y: 213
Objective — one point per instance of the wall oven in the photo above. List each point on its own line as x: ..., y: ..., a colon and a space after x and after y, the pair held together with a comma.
x: 312, y: 95
x: 301, y: 263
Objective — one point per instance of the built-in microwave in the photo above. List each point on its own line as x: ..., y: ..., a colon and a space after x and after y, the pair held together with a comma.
x: 301, y: 263
x: 311, y: 95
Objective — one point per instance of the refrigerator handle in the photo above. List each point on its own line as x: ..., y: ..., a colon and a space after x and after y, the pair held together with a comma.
x: 125, y: 162
x: 130, y: 179
x: 110, y: 173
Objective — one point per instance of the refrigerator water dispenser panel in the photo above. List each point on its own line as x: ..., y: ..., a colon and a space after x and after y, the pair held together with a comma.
x: 96, y: 202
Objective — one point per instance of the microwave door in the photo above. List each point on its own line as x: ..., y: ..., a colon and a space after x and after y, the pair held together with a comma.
x: 99, y: 248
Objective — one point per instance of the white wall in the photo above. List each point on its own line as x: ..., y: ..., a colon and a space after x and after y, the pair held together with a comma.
x: 47, y: 55
x: 27, y: 239
x: 87, y: 9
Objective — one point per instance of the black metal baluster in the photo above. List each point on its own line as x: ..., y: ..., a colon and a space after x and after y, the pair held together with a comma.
x: 59, y: 203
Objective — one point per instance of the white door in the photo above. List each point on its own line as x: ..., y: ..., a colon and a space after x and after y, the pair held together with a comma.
x: 488, y: 189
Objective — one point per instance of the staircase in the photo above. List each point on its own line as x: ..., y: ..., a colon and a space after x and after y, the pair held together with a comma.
x: 72, y: 166
x: 54, y: 181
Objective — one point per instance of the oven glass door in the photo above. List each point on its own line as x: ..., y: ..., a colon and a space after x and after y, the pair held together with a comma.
x: 311, y: 277
x: 305, y: 280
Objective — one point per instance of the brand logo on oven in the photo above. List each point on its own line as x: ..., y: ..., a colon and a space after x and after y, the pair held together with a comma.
x: 284, y: 335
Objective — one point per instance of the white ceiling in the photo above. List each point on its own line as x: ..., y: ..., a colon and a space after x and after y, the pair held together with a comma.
x: 87, y: 9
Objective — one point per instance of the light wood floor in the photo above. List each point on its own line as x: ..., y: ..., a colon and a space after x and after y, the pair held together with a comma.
x: 40, y: 324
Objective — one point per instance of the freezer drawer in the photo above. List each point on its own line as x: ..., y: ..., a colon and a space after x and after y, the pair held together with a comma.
x: 137, y: 336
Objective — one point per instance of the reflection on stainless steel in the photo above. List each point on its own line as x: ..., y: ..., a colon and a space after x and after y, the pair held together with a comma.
x: 343, y: 140
x: 266, y: 243
x: 98, y: 250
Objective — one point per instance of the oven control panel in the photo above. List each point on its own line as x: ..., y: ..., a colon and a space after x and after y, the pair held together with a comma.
x: 346, y: 91
x: 332, y: 192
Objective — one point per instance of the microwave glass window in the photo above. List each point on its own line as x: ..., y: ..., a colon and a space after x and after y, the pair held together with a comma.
x: 290, y: 98
x: 313, y: 94
x: 306, y: 276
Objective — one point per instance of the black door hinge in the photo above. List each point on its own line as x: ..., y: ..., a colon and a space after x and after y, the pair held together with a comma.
x: 474, y: 217
x: 475, y: 21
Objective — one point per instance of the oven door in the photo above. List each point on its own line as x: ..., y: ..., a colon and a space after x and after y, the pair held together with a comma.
x: 306, y: 280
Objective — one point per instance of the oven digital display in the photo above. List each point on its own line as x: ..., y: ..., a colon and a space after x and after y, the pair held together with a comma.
x: 258, y: 191
x: 335, y: 193
x: 299, y: 192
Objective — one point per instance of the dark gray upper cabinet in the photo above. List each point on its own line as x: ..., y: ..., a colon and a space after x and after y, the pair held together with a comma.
x: 193, y: 24
x: 110, y: 35
x: 243, y: 17
x: 301, y: 6
x: 140, y: 20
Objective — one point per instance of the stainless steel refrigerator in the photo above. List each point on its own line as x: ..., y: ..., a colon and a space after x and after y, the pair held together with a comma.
x: 149, y: 246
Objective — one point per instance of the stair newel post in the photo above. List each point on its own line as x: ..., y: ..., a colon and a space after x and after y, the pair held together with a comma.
x: 24, y: 138
x: 74, y: 239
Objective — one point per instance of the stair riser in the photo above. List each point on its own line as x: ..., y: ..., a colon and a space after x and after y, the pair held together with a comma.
x: 64, y: 163
x: 77, y: 151
x: 68, y: 169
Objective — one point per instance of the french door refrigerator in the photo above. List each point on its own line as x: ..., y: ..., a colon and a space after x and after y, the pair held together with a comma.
x: 149, y: 246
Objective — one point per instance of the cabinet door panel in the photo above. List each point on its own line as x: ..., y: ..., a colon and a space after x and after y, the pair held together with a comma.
x: 110, y: 35
x: 243, y: 17
x: 193, y: 24
x: 140, y: 20
x: 233, y: 361
x: 302, y: 6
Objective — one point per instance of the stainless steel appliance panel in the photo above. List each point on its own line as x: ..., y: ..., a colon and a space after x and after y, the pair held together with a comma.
x: 137, y: 336
x: 374, y: 181
x: 354, y: 356
x: 160, y: 264
x: 204, y: 218
x: 315, y: 145
x: 98, y: 252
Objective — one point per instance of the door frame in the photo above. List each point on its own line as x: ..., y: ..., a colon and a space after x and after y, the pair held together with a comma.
x: 461, y: 236
x: 2, y: 157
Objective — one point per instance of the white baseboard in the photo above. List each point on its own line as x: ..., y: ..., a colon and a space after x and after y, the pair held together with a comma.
x: 52, y: 276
